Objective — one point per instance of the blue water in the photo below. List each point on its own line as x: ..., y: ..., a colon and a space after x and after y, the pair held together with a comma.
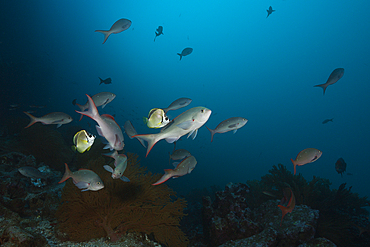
x: 243, y: 65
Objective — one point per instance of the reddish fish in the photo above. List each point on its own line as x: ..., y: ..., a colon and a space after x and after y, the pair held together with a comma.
x: 107, y: 126
x: 291, y: 204
x: 183, y: 168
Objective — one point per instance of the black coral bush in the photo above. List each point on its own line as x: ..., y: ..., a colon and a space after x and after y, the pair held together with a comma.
x: 122, y: 207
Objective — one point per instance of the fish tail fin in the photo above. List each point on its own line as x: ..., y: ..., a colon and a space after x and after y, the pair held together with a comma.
x: 33, y: 119
x: 212, y: 133
x: 92, y: 111
x: 179, y: 55
x: 167, y: 175
x: 294, y: 164
x: 106, y: 35
x: 151, y: 139
x: 145, y: 120
x: 81, y: 107
x: 66, y: 175
x: 323, y: 86
x: 113, y: 154
x: 284, y: 211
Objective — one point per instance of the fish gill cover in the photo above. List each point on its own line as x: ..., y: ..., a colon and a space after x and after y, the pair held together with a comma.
x: 121, y: 207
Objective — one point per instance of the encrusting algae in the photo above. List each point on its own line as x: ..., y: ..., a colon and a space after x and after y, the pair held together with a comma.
x: 122, y: 207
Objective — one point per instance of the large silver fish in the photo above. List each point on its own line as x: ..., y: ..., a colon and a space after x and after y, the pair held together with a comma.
x: 333, y: 78
x: 233, y: 123
x: 107, y: 126
x: 57, y: 118
x: 84, y: 179
x: 117, y: 27
x: 177, y: 104
x: 187, y: 123
x: 183, y: 168
x: 130, y: 131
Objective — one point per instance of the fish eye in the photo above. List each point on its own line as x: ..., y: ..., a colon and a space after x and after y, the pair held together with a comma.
x: 202, y: 110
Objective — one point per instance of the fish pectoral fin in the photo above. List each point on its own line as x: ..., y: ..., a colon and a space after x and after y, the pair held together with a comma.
x: 98, y: 129
x: 175, y: 164
x: 193, y: 134
x: 82, y: 185
x: 186, y: 125
x: 171, y: 139
x: 124, y: 179
x: 59, y: 125
x: 108, y: 168
x: 235, y: 131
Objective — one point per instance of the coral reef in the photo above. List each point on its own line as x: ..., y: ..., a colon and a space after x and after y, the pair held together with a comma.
x: 121, y: 207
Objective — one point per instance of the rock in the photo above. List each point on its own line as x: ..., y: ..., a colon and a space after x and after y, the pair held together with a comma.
x: 228, y: 217
x: 322, y: 242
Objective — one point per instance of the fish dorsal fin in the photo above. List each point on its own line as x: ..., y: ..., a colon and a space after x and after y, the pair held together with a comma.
x: 108, y: 116
x: 83, y: 169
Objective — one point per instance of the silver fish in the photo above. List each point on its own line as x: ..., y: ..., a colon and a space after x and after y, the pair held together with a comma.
x: 31, y: 172
x: 233, y: 123
x: 306, y: 156
x: 179, y: 154
x: 120, y: 164
x: 177, y: 104
x: 185, y: 167
x: 84, y: 179
x: 333, y: 78
x: 187, y: 123
x: 100, y: 99
x: 117, y: 27
x: 57, y: 118
x: 107, y: 126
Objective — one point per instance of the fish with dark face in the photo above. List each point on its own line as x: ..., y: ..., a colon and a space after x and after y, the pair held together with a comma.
x: 340, y: 166
x: 106, y: 81
x: 185, y: 52
x: 158, y: 32
x: 269, y: 11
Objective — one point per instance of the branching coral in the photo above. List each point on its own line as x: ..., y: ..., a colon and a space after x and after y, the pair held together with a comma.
x: 336, y: 206
x: 122, y: 207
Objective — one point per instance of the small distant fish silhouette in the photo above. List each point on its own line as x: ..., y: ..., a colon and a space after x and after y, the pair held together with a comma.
x: 158, y: 32
x: 106, y: 81
x: 117, y: 27
x: 333, y: 78
x: 269, y: 11
x: 340, y: 166
x: 327, y: 120
x: 185, y: 52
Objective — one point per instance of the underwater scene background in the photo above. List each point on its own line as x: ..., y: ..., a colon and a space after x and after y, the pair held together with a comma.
x: 243, y: 64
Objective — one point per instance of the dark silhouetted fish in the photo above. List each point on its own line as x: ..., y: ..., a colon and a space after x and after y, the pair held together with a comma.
x: 74, y: 102
x: 158, y: 32
x: 106, y: 81
x: 185, y: 52
x: 269, y: 11
x: 333, y: 78
x: 327, y: 120
x: 340, y: 166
